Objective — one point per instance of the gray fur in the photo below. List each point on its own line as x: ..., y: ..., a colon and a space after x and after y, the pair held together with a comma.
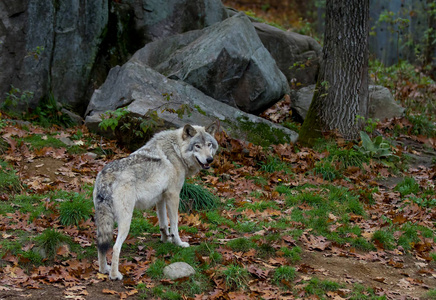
x: 151, y: 176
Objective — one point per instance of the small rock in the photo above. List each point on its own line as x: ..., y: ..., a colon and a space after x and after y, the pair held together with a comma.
x: 178, y: 270
x: 66, y: 141
x: 91, y: 155
x: 78, y: 120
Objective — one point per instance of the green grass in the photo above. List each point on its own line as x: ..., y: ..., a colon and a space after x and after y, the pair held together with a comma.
x: 320, y: 287
x: 50, y: 240
x: 258, y: 206
x: 9, y: 181
x: 235, y: 277
x: 327, y: 170
x: 422, y: 125
x: 407, y: 186
x: 194, y: 197
x: 75, y: 209
x: 384, y: 238
x: 360, y: 292
x: 241, y: 244
x: 33, y: 204
x: 39, y: 141
x: 346, y: 158
x: 141, y: 225
x: 293, y: 254
x: 431, y: 295
x: 284, y: 273
x: 155, y: 270
x: 275, y: 164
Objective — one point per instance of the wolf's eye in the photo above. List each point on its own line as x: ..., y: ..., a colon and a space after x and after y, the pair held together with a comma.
x: 209, y: 144
x: 197, y: 146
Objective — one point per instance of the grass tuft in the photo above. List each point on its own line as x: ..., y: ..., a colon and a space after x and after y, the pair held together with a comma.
x: 50, y: 240
x: 235, y: 277
x: 194, y: 197
x: 75, y: 210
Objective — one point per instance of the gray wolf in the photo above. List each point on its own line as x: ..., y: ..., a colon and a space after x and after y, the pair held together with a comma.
x: 151, y: 176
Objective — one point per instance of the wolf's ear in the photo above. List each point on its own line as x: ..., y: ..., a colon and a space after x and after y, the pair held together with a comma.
x: 188, y: 131
x: 212, y: 128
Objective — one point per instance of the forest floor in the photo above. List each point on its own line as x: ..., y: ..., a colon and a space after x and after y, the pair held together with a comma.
x: 291, y: 222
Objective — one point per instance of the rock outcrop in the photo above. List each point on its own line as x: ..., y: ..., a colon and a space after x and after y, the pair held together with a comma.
x: 50, y: 46
x: 226, y: 61
x: 139, y: 88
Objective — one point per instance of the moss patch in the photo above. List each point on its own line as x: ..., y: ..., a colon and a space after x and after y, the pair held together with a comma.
x: 261, y: 134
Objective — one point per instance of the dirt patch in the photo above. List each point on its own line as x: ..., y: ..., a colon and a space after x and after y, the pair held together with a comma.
x: 377, y: 275
x: 51, y: 292
x: 51, y: 169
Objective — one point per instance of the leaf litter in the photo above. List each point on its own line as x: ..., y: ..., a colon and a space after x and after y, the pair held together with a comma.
x: 393, y: 272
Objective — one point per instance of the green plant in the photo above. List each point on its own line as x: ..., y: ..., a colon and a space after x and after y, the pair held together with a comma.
x: 36, y: 52
x: 156, y: 269
x: 9, y: 181
x: 48, y: 112
x: 384, y: 238
x: 74, y: 210
x: 284, y: 273
x: 240, y: 244
x: 194, y: 197
x: 422, y: 125
x: 50, y: 240
x: 15, y: 96
x: 431, y: 295
x: 275, y: 164
x: 293, y: 253
x: 262, y: 134
x: 319, y: 287
x: 326, y: 170
x: 129, y: 130
x: 133, y: 131
x: 428, y: 202
x: 407, y: 186
x: 376, y: 148
x: 235, y: 277
x: 360, y: 292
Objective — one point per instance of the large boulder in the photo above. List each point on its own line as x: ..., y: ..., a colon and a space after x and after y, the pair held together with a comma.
x: 139, y: 88
x: 382, y: 104
x: 154, y: 20
x: 297, y: 56
x: 226, y: 61
x: 50, y: 46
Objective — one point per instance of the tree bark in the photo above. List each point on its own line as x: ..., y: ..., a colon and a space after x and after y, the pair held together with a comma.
x: 341, y: 93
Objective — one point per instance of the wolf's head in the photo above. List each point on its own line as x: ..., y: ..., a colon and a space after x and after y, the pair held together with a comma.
x: 201, y: 144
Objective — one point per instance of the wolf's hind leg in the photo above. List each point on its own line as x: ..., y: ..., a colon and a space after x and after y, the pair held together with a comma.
x: 172, y: 202
x: 123, y: 231
x: 103, y: 267
x: 163, y: 221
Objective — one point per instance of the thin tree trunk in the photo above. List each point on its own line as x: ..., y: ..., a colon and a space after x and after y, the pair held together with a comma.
x: 341, y: 93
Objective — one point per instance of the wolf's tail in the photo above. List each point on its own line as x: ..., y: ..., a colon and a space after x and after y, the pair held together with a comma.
x: 104, y: 220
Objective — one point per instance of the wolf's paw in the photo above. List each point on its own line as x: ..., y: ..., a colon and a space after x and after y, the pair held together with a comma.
x: 183, y: 244
x: 105, y: 269
x: 116, y: 276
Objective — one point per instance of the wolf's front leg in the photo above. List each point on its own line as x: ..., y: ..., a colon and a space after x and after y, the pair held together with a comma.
x: 173, y: 209
x: 163, y: 221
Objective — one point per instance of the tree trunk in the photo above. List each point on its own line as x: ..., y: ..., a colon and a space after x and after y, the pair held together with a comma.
x: 341, y: 93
